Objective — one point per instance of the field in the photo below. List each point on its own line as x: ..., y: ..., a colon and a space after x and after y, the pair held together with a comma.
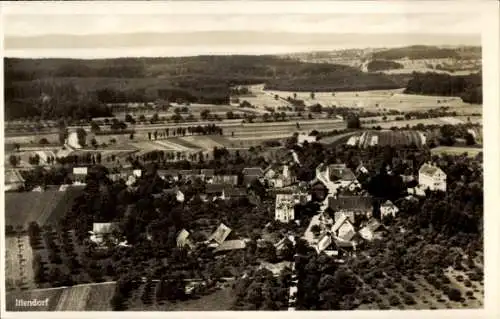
x: 93, y: 297
x: 382, y: 99
x: 43, y: 207
x: 471, y: 151
x: 219, y: 300
x: 18, y: 261
x: 383, y: 138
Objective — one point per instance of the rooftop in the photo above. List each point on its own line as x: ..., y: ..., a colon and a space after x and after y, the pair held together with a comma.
x: 355, y: 203
x: 231, y: 245
x: 220, y: 234
x: 254, y: 171
x: 429, y: 170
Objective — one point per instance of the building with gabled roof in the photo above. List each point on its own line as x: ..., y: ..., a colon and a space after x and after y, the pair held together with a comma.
x: 225, y: 179
x: 340, y: 172
x: 432, y: 177
x: 253, y: 171
x: 355, y: 205
x: 220, y: 234
x: 372, y: 230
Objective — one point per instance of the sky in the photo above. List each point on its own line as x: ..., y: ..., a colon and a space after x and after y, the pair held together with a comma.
x: 93, y: 35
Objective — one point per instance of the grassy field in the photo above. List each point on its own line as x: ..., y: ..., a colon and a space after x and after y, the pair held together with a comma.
x: 43, y: 207
x: 220, y: 300
x: 99, y: 297
x: 456, y: 150
x: 383, y: 138
x: 18, y: 263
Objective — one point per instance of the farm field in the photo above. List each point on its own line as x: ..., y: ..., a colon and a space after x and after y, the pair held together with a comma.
x: 382, y: 99
x: 100, y: 296
x: 18, y: 263
x: 43, y: 207
x: 221, y: 299
x: 456, y: 150
x: 383, y: 138
x: 73, y: 299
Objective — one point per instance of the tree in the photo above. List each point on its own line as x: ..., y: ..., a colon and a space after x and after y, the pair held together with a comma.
x: 205, y: 114
x: 13, y: 160
x: 312, y: 95
x: 82, y: 136
x: 353, y: 121
x: 230, y: 115
x: 316, y: 229
x: 17, y: 147
x: 43, y: 141
x: 94, y: 127
x: 128, y: 118
x: 131, y: 137
x: 155, y: 118
x: 469, y: 139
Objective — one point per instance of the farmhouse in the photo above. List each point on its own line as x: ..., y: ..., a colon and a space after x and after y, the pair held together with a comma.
x: 285, y: 206
x: 388, y: 209
x: 13, y: 180
x: 432, y: 177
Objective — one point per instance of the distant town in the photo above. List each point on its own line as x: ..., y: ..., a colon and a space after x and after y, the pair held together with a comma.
x: 245, y: 182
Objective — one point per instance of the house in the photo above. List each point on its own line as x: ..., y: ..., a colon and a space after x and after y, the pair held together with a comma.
x: 340, y: 173
x: 103, y: 232
x: 372, y: 230
x: 220, y: 234
x: 230, y: 245
x: 432, y: 177
x: 224, y: 179
x: 281, y: 177
x: 324, y: 243
x: 214, y: 190
x: 115, y: 177
x: 388, y: 209
x: 233, y: 193
x: 351, y: 205
x: 301, y: 138
x: 417, y: 191
x: 168, y: 173
x: 280, y: 245
x: 79, y: 175
x: 137, y: 173
x: 131, y: 180
x: 182, y: 239
x: 285, y: 205
x: 343, y: 228
x: 13, y: 180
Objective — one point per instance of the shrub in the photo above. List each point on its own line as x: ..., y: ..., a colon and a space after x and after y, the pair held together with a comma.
x: 454, y: 294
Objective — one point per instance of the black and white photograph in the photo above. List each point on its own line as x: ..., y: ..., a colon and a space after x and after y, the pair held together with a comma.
x: 247, y: 156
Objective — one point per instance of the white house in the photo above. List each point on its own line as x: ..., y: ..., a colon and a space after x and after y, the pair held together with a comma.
x: 432, y: 177
x: 388, y: 209
x: 101, y: 232
x: 343, y: 228
x: 285, y: 206
x: 372, y: 230
x: 280, y: 178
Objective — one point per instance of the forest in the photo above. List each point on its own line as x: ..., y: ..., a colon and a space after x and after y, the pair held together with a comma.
x: 468, y: 87
x: 46, y: 88
x: 381, y: 65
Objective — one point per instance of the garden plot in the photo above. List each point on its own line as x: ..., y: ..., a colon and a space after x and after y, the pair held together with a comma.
x: 203, y: 141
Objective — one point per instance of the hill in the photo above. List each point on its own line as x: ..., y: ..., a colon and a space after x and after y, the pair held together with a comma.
x: 52, y: 88
x: 417, y: 52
